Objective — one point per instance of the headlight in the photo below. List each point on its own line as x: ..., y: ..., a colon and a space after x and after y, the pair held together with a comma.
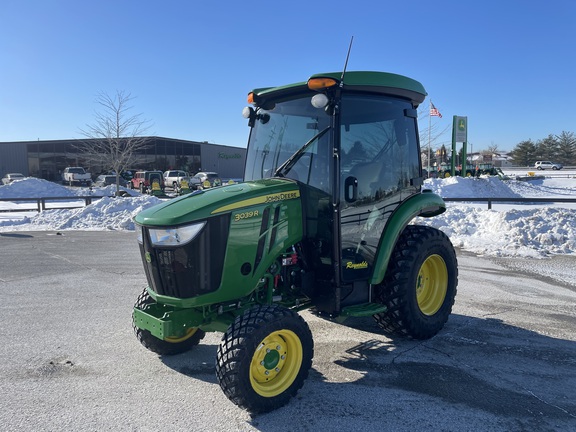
x: 175, y: 236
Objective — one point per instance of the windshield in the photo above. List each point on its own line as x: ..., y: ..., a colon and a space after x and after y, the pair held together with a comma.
x: 293, y: 130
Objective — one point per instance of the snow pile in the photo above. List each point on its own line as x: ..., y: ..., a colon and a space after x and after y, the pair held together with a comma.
x: 515, y: 231
x: 532, y: 232
x: 510, y: 230
x: 33, y: 187
x: 104, y: 214
x: 37, y: 188
x: 466, y: 187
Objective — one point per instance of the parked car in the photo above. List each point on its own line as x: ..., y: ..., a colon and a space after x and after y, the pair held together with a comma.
x: 203, y: 180
x: 542, y: 165
x: 109, y: 179
x: 10, y: 177
x: 172, y: 178
x: 76, y: 176
x: 144, y: 180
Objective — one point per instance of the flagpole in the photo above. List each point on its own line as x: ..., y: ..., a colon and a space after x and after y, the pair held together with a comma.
x: 429, y: 127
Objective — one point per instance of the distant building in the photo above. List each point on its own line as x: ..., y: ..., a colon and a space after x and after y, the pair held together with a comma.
x: 47, y: 159
x: 502, y: 160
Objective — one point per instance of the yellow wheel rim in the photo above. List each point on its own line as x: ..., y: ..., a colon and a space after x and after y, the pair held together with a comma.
x: 189, y: 333
x: 276, y: 363
x: 432, y: 285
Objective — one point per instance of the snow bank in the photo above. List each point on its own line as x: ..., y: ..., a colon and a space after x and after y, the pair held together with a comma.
x: 521, y: 230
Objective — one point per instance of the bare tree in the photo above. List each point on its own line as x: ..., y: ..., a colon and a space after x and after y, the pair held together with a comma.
x: 115, y: 137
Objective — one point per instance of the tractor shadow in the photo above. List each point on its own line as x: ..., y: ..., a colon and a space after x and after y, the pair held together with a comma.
x: 473, y: 364
x: 198, y: 363
x: 485, y: 364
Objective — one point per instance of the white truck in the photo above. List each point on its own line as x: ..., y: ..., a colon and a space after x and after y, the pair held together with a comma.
x: 76, y: 176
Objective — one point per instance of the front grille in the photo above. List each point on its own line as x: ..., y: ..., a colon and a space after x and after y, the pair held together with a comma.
x: 190, y: 270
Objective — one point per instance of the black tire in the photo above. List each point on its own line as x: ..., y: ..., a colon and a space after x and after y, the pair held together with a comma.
x: 264, y: 358
x: 168, y: 346
x: 420, y: 284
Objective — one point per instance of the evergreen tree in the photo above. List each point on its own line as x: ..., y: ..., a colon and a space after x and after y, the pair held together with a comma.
x: 524, y: 154
x: 566, y: 148
x: 547, y: 149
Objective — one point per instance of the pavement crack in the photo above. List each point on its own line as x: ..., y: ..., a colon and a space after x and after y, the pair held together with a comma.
x: 549, y: 404
x: 407, y: 350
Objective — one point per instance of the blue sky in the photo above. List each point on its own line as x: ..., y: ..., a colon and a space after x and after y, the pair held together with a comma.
x: 508, y: 65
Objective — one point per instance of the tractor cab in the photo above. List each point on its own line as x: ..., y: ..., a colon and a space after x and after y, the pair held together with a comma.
x: 351, y: 145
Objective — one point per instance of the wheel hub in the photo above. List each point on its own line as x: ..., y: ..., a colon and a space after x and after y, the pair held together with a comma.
x: 432, y: 284
x: 269, y: 359
x: 275, y: 363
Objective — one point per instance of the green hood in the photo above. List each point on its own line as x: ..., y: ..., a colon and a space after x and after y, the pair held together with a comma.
x: 206, y: 203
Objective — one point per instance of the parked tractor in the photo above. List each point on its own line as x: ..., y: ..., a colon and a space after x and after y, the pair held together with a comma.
x: 325, y: 221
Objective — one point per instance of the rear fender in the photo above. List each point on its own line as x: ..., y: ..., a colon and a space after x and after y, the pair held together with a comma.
x: 426, y: 204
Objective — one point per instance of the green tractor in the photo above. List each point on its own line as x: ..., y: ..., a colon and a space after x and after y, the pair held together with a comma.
x: 323, y: 221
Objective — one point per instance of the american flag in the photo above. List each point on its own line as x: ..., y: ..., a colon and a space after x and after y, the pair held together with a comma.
x: 434, y: 111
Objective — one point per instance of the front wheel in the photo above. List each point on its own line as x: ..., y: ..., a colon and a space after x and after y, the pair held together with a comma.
x: 420, y: 283
x: 264, y: 358
x: 168, y: 346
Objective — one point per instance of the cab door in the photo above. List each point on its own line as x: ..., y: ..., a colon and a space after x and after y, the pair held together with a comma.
x: 379, y: 165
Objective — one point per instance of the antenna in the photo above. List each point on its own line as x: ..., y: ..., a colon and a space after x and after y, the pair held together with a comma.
x: 346, y: 63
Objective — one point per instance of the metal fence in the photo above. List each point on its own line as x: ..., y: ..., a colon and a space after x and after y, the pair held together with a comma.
x: 512, y: 200
x: 41, y: 202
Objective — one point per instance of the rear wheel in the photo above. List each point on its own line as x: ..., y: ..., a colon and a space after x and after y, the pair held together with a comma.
x: 168, y: 346
x: 264, y: 358
x: 420, y: 284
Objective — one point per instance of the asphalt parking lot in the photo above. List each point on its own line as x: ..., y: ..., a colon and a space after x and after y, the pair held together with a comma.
x: 506, y: 360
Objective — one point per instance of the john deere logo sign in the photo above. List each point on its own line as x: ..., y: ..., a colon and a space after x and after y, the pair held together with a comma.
x: 229, y: 156
x: 461, y: 129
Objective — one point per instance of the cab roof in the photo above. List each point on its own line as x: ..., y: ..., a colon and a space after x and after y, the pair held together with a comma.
x: 364, y: 81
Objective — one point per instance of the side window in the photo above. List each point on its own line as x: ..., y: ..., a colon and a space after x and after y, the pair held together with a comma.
x: 378, y: 149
